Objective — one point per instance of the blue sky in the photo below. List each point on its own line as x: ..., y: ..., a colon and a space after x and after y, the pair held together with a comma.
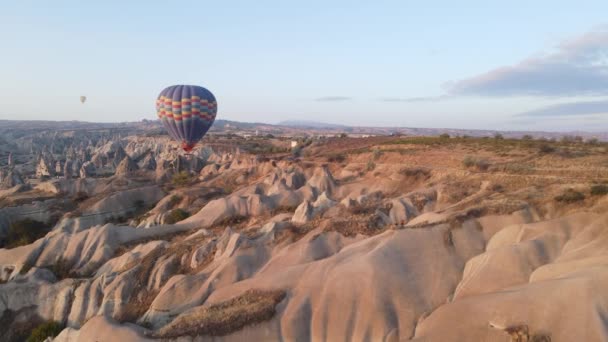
x: 524, y: 65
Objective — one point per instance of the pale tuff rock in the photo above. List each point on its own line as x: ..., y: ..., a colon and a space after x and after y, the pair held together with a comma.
x: 148, y: 163
x: 11, y: 162
x: 306, y: 211
x: 76, y: 165
x: 126, y: 167
x: 58, y: 168
x: 322, y: 180
x: 44, y: 168
x: 67, y: 169
x: 303, y: 213
x: 87, y: 170
x: 11, y: 179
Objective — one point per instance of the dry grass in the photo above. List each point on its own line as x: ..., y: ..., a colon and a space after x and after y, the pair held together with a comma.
x: 520, y: 333
x: 142, y: 297
x: 253, y: 306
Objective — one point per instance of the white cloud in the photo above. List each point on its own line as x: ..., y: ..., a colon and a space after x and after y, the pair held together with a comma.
x: 576, y: 67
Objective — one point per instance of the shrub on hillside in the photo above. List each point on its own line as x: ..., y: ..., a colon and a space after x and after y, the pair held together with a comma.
x: 545, y: 148
x: 176, y: 215
x: 336, y: 158
x: 416, y: 172
x: 599, y: 189
x: 480, y: 163
x: 570, y: 196
x: 174, y: 200
x: 24, y: 232
x: 181, y: 179
x: 45, y: 330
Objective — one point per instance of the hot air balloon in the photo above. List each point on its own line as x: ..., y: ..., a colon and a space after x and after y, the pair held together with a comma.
x: 83, y: 99
x: 187, y: 112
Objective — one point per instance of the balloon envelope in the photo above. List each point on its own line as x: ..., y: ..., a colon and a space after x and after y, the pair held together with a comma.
x: 187, y: 112
x: 83, y: 99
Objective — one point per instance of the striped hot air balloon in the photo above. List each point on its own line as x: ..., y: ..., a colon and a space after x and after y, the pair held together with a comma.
x: 187, y: 112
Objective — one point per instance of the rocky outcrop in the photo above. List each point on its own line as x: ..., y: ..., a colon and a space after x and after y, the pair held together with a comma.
x: 87, y: 170
x: 11, y: 178
x: 148, y: 163
x: 67, y: 169
x: 44, y: 168
x: 126, y: 167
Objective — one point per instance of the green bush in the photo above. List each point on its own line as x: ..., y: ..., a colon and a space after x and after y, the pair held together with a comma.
x: 174, y: 200
x: 176, y: 215
x: 44, y: 330
x: 599, y: 189
x: 444, y: 136
x: 24, y: 232
x: 570, y: 196
x: 181, y: 179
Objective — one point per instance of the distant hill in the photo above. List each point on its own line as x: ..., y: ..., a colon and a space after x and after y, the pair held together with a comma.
x: 309, y: 124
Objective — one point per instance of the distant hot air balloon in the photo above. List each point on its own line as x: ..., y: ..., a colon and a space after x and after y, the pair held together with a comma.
x: 187, y: 112
x: 83, y: 99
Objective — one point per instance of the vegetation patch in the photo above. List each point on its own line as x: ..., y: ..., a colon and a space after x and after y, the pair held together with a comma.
x: 181, y: 179
x: 18, y: 325
x: 174, y: 200
x: 479, y: 163
x: 62, y: 269
x: 253, y: 306
x: 599, y: 189
x: 176, y: 215
x: 44, y: 331
x: 418, y: 173
x: 570, y: 196
x: 142, y: 297
x: 520, y: 333
x: 24, y: 232
x: 336, y: 158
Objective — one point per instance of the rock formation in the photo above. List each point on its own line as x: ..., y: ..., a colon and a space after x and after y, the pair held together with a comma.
x: 87, y: 170
x: 11, y: 179
x: 44, y: 168
x: 148, y: 163
x: 126, y: 167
